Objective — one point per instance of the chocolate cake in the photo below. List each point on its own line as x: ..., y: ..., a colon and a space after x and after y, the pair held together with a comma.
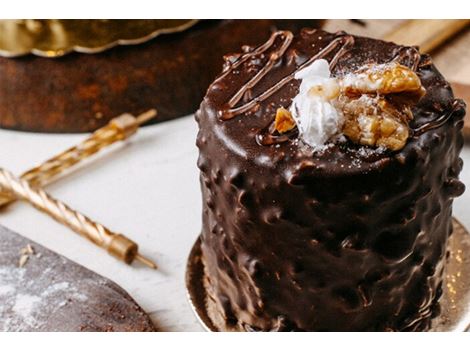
x: 327, y: 196
x: 43, y: 291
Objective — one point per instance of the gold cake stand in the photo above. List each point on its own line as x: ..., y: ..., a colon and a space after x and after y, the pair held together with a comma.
x: 455, y: 300
x: 55, y: 37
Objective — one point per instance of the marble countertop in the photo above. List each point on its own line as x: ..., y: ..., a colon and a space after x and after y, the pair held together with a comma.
x: 147, y: 189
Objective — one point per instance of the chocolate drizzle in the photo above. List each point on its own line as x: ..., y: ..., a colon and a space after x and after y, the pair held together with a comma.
x: 408, y: 56
x: 457, y: 105
x: 230, y: 110
x: 276, y: 55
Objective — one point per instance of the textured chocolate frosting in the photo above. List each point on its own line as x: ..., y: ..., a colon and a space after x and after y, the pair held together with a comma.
x: 348, y: 239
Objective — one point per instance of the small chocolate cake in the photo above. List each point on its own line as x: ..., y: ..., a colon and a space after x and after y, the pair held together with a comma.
x: 329, y: 164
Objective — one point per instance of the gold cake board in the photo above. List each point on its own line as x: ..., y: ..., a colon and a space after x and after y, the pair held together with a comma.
x: 455, y: 300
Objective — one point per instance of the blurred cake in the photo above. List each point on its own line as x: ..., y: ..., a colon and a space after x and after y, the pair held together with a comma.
x: 42, y: 291
x: 329, y: 164
x: 74, y: 75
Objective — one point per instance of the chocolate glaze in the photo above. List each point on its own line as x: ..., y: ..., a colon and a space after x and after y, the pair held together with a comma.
x: 347, y: 239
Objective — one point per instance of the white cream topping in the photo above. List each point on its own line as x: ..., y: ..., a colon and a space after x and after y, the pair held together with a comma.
x: 316, y: 117
x: 362, y: 81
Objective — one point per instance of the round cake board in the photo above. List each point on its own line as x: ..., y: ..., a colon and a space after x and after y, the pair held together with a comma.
x: 455, y: 300
x: 92, y: 84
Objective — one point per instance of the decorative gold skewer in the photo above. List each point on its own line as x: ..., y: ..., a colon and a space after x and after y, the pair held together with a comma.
x: 118, y: 129
x: 116, y: 244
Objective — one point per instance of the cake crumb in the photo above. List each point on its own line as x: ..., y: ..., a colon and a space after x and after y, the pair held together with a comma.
x: 24, y: 255
x: 23, y: 260
x: 27, y: 250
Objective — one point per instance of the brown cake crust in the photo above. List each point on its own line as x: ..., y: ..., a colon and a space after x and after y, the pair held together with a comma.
x: 82, y: 92
x: 349, y: 239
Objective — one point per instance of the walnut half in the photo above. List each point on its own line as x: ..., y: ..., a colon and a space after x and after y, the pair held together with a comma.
x: 373, y: 121
x: 376, y: 103
x: 383, y: 79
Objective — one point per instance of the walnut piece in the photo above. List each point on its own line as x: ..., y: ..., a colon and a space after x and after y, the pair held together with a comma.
x: 375, y: 122
x: 390, y: 78
x: 283, y: 122
x: 328, y: 90
x: 376, y: 101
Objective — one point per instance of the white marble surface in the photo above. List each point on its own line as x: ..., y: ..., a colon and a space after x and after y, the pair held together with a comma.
x: 148, y: 189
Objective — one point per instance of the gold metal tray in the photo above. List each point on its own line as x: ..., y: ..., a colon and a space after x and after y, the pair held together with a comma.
x: 55, y: 38
x: 455, y: 300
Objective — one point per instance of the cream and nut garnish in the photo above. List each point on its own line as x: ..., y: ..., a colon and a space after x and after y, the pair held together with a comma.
x: 373, y: 105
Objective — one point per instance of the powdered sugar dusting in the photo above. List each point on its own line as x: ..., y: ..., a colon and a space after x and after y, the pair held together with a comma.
x: 25, y: 305
x: 28, y: 311
x: 52, y: 293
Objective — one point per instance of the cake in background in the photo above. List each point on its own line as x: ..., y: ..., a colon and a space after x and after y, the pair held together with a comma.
x: 83, y: 78
x: 44, y: 291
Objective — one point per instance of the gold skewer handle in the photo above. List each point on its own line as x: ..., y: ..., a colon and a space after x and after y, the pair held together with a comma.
x: 116, y: 244
x: 118, y: 129
x: 427, y: 34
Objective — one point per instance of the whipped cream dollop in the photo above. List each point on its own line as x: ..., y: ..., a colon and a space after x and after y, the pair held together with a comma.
x: 316, y: 117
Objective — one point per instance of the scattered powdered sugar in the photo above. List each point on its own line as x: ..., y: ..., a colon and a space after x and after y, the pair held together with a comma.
x: 356, y: 163
x: 79, y: 296
x: 367, y: 152
x: 362, y: 81
x: 56, y: 287
x: 6, y: 289
x: 52, y: 293
x: 24, y: 306
x: 26, y: 302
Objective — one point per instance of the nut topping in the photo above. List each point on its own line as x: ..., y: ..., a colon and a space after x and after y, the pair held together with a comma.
x: 371, y: 106
x: 283, y: 122
x: 375, y: 122
x: 376, y: 104
x: 328, y: 90
x: 390, y: 78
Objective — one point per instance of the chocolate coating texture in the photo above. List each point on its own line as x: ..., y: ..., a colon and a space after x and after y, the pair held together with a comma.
x: 346, y: 239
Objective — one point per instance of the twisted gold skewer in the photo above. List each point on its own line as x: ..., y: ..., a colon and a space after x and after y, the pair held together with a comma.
x: 116, y: 244
x: 118, y: 129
